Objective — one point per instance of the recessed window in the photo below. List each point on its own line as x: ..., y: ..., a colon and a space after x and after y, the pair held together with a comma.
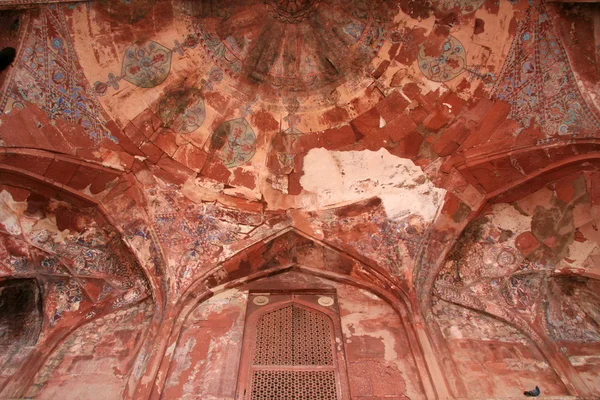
x: 290, y: 350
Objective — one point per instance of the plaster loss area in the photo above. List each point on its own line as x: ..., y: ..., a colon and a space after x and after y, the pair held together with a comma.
x: 338, y: 177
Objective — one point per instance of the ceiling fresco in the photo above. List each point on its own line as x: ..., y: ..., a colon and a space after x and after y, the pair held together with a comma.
x: 160, y: 149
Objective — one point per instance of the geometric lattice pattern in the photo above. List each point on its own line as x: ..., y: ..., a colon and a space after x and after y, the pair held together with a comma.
x: 293, y: 385
x: 293, y: 356
x: 293, y: 336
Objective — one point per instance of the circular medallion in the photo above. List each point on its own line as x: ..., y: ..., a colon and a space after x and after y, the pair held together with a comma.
x: 449, y: 62
x: 325, y: 301
x: 146, y: 65
x: 260, y: 300
x: 506, y: 259
x: 234, y: 142
x: 182, y: 110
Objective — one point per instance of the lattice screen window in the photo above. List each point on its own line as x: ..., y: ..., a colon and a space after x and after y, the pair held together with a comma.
x: 289, y: 351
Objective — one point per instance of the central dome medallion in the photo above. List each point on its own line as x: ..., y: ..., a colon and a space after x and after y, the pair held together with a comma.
x: 295, y: 47
x: 291, y: 11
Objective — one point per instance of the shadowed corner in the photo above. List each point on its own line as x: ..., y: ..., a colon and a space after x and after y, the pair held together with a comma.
x: 7, y: 56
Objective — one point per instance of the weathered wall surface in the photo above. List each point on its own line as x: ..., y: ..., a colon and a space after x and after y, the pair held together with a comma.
x: 586, y: 360
x: 379, y: 362
x: 207, y: 128
x: 205, y: 364
x: 573, y: 312
x: 96, y: 360
x: 532, y: 263
x: 493, y: 358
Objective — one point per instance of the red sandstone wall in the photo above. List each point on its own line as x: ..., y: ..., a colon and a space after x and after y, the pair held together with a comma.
x: 493, y: 358
x: 206, y: 361
x: 379, y: 361
x: 95, y: 361
x: 586, y: 360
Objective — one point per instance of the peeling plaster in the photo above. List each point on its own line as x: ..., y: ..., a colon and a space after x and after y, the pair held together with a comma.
x: 506, y: 217
x: 358, y: 175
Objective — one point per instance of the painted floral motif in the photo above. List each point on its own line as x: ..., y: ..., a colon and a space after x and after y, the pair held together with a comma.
x: 572, y: 310
x: 538, y: 82
x: 47, y: 76
x: 289, y: 137
x: 234, y: 142
x: 146, y: 65
x: 182, y: 110
x: 520, y: 291
x: 206, y: 228
x: 82, y: 266
x: 448, y: 64
x: 512, y: 262
x: 282, y: 147
x: 464, y: 6
x: 66, y: 297
x: 390, y: 243
x: 53, y: 265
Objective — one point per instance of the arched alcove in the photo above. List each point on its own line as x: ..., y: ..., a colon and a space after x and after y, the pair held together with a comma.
x: 207, y: 355
x: 289, y: 349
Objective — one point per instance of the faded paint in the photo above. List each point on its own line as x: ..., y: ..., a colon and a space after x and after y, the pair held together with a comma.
x: 368, y: 154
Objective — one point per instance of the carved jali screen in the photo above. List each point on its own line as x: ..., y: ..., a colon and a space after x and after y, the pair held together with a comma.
x: 290, y: 350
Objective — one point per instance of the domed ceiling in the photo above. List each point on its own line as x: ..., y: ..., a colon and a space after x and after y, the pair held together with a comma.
x: 392, y: 131
x: 280, y: 108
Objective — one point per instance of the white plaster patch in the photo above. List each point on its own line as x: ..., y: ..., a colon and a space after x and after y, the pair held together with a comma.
x: 341, y: 177
x: 110, y: 159
x: 580, y: 361
x: 220, y: 300
x: 506, y: 217
x: 201, y: 190
x: 580, y: 251
x: 369, y: 294
x: 182, y: 361
x: 8, y: 217
x: 171, y: 348
x: 382, y: 122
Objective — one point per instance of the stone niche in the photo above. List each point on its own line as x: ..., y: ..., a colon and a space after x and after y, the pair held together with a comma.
x: 375, y: 346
